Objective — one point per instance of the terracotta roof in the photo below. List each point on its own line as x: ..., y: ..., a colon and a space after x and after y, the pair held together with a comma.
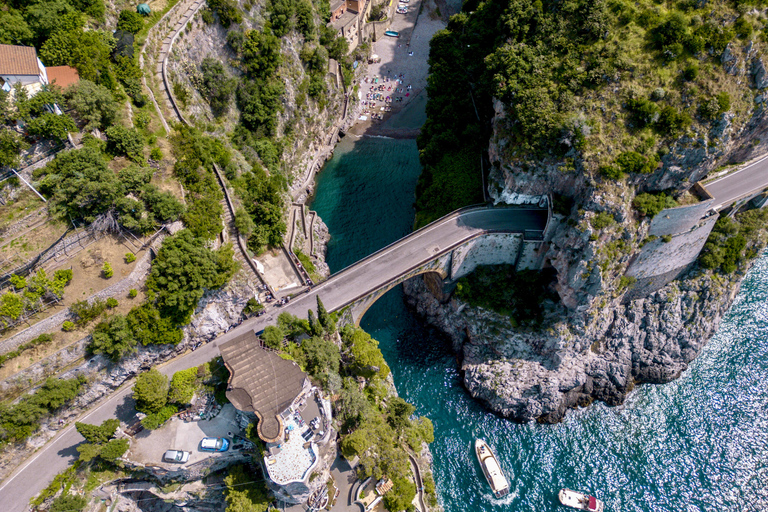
x: 63, y: 76
x: 18, y: 60
x: 261, y: 382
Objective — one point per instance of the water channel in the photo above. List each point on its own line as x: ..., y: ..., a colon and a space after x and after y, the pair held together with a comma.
x: 696, y: 444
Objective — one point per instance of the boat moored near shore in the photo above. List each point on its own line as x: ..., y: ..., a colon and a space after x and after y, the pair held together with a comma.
x: 491, y: 469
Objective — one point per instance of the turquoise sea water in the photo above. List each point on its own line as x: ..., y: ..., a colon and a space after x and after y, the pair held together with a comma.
x: 699, y: 443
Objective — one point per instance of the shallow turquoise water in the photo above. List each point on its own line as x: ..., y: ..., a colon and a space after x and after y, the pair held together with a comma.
x: 697, y: 444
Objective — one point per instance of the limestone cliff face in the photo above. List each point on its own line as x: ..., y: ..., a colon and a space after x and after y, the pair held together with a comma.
x: 600, y: 340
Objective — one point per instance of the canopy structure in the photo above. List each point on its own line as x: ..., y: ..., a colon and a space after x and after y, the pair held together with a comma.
x: 144, y: 9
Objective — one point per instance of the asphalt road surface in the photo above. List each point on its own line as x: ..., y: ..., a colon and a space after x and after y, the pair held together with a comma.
x: 341, y: 289
x: 745, y: 182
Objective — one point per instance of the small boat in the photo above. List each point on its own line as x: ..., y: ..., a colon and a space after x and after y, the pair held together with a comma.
x: 579, y: 501
x: 491, y: 469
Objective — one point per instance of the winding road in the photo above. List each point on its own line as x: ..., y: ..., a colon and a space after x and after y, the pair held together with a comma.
x: 341, y: 289
x: 744, y: 183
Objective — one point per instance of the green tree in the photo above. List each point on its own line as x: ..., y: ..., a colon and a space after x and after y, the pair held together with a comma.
x: 150, y: 328
x: 182, y: 387
x: 52, y: 125
x: 183, y: 269
x: 11, y: 146
x: 150, y: 391
x: 399, y: 413
x: 127, y: 142
x: 244, y: 492
x: 216, y: 86
x: 244, y: 224
x: 273, y: 337
x: 114, y: 449
x: 14, y: 29
x: 113, y: 338
x: 98, y: 434
x: 325, y: 318
x: 94, y: 103
x: 68, y: 503
x: 130, y: 21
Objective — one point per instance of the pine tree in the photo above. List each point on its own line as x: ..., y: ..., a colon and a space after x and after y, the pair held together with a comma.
x: 315, y: 329
x: 325, y: 318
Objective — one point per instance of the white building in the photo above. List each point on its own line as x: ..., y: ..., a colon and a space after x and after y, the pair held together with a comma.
x: 20, y: 65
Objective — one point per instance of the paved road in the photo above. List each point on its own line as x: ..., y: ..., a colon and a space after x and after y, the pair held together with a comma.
x: 745, y: 182
x: 341, y: 289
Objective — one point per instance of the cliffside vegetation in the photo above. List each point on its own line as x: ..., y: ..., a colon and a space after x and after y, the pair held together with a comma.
x: 605, y: 86
x: 374, y: 425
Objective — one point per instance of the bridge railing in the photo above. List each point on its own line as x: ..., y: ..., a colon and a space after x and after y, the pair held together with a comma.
x: 422, y: 229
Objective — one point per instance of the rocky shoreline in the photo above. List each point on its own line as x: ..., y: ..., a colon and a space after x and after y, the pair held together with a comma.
x: 526, y: 376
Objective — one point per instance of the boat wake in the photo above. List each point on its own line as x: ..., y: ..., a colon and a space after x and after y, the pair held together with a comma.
x: 377, y: 136
x: 506, y: 500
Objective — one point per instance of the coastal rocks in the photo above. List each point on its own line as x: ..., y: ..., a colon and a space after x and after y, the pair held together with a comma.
x: 758, y: 74
x: 539, y: 375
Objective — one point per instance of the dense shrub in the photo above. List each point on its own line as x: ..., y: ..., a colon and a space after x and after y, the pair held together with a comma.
x: 130, y: 21
x: 183, y: 385
x: 149, y: 327
x: 602, y: 220
x: 150, y: 391
x: 216, y: 86
x: 183, y: 269
x: 94, y: 103
x: 126, y: 142
x: 19, y: 421
x: 52, y: 125
x: 227, y: 10
x: 650, y: 204
x: 633, y: 162
x: 113, y: 338
x: 734, y: 241
x: 157, y: 419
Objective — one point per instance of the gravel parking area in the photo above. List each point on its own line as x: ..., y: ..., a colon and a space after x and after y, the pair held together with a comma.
x: 149, y: 446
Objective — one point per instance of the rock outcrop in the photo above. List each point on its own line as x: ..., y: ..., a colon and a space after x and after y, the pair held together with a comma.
x: 599, y: 341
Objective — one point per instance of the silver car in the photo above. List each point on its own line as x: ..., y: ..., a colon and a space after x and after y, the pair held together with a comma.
x: 177, y: 456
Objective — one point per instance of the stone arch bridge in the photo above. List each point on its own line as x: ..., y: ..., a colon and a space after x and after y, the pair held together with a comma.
x: 450, y: 247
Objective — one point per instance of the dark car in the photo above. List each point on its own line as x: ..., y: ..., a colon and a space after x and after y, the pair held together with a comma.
x: 177, y: 456
x: 214, y: 444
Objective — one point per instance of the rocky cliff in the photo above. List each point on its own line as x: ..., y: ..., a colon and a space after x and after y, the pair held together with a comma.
x: 600, y: 340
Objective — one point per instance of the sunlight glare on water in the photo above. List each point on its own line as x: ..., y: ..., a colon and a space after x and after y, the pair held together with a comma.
x: 696, y: 444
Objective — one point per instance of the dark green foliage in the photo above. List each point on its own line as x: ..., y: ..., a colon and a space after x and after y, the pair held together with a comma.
x: 650, y: 204
x: 126, y: 142
x: 633, y: 162
x: 227, y: 10
x: 216, y: 87
x: 691, y: 72
x: 150, y: 391
x: 98, y: 434
x: 94, y: 103
x: 150, y: 328
x: 112, y: 302
x: 286, y: 15
x: 14, y: 29
x: 19, y: 421
x: 113, y: 338
x: 734, y: 241
x: 325, y: 318
x: 322, y: 356
x: 602, y: 220
x: 11, y: 146
x: 713, y: 108
x: 85, y: 311
x: 252, y: 306
x: 88, y: 51
x: 519, y: 295
x: 130, y: 21
x: 114, y: 449
x: 183, y: 269
x: 399, y: 413
x: 366, y: 357
x: 195, y: 156
x: 163, y: 205
x: 133, y: 177
x: 671, y: 122
x: 244, y: 224
x: 68, y: 503
x: 245, y: 492
x: 743, y: 27
x: 262, y: 197
x: 52, y: 125
x: 273, y: 337
x: 183, y: 385
x: 157, y: 419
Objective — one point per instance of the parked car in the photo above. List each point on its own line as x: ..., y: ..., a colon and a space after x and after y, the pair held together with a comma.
x: 402, y: 10
x: 214, y: 444
x: 177, y: 456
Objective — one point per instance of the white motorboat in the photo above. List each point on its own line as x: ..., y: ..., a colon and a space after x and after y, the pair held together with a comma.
x: 491, y: 469
x: 580, y: 501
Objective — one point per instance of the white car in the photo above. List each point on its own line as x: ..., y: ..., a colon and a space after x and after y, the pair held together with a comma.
x: 402, y: 10
x: 177, y: 456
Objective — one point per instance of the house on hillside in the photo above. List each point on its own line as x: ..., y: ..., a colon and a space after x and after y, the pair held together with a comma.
x: 63, y: 76
x: 348, y: 18
x: 293, y: 418
x: 20, y: 65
